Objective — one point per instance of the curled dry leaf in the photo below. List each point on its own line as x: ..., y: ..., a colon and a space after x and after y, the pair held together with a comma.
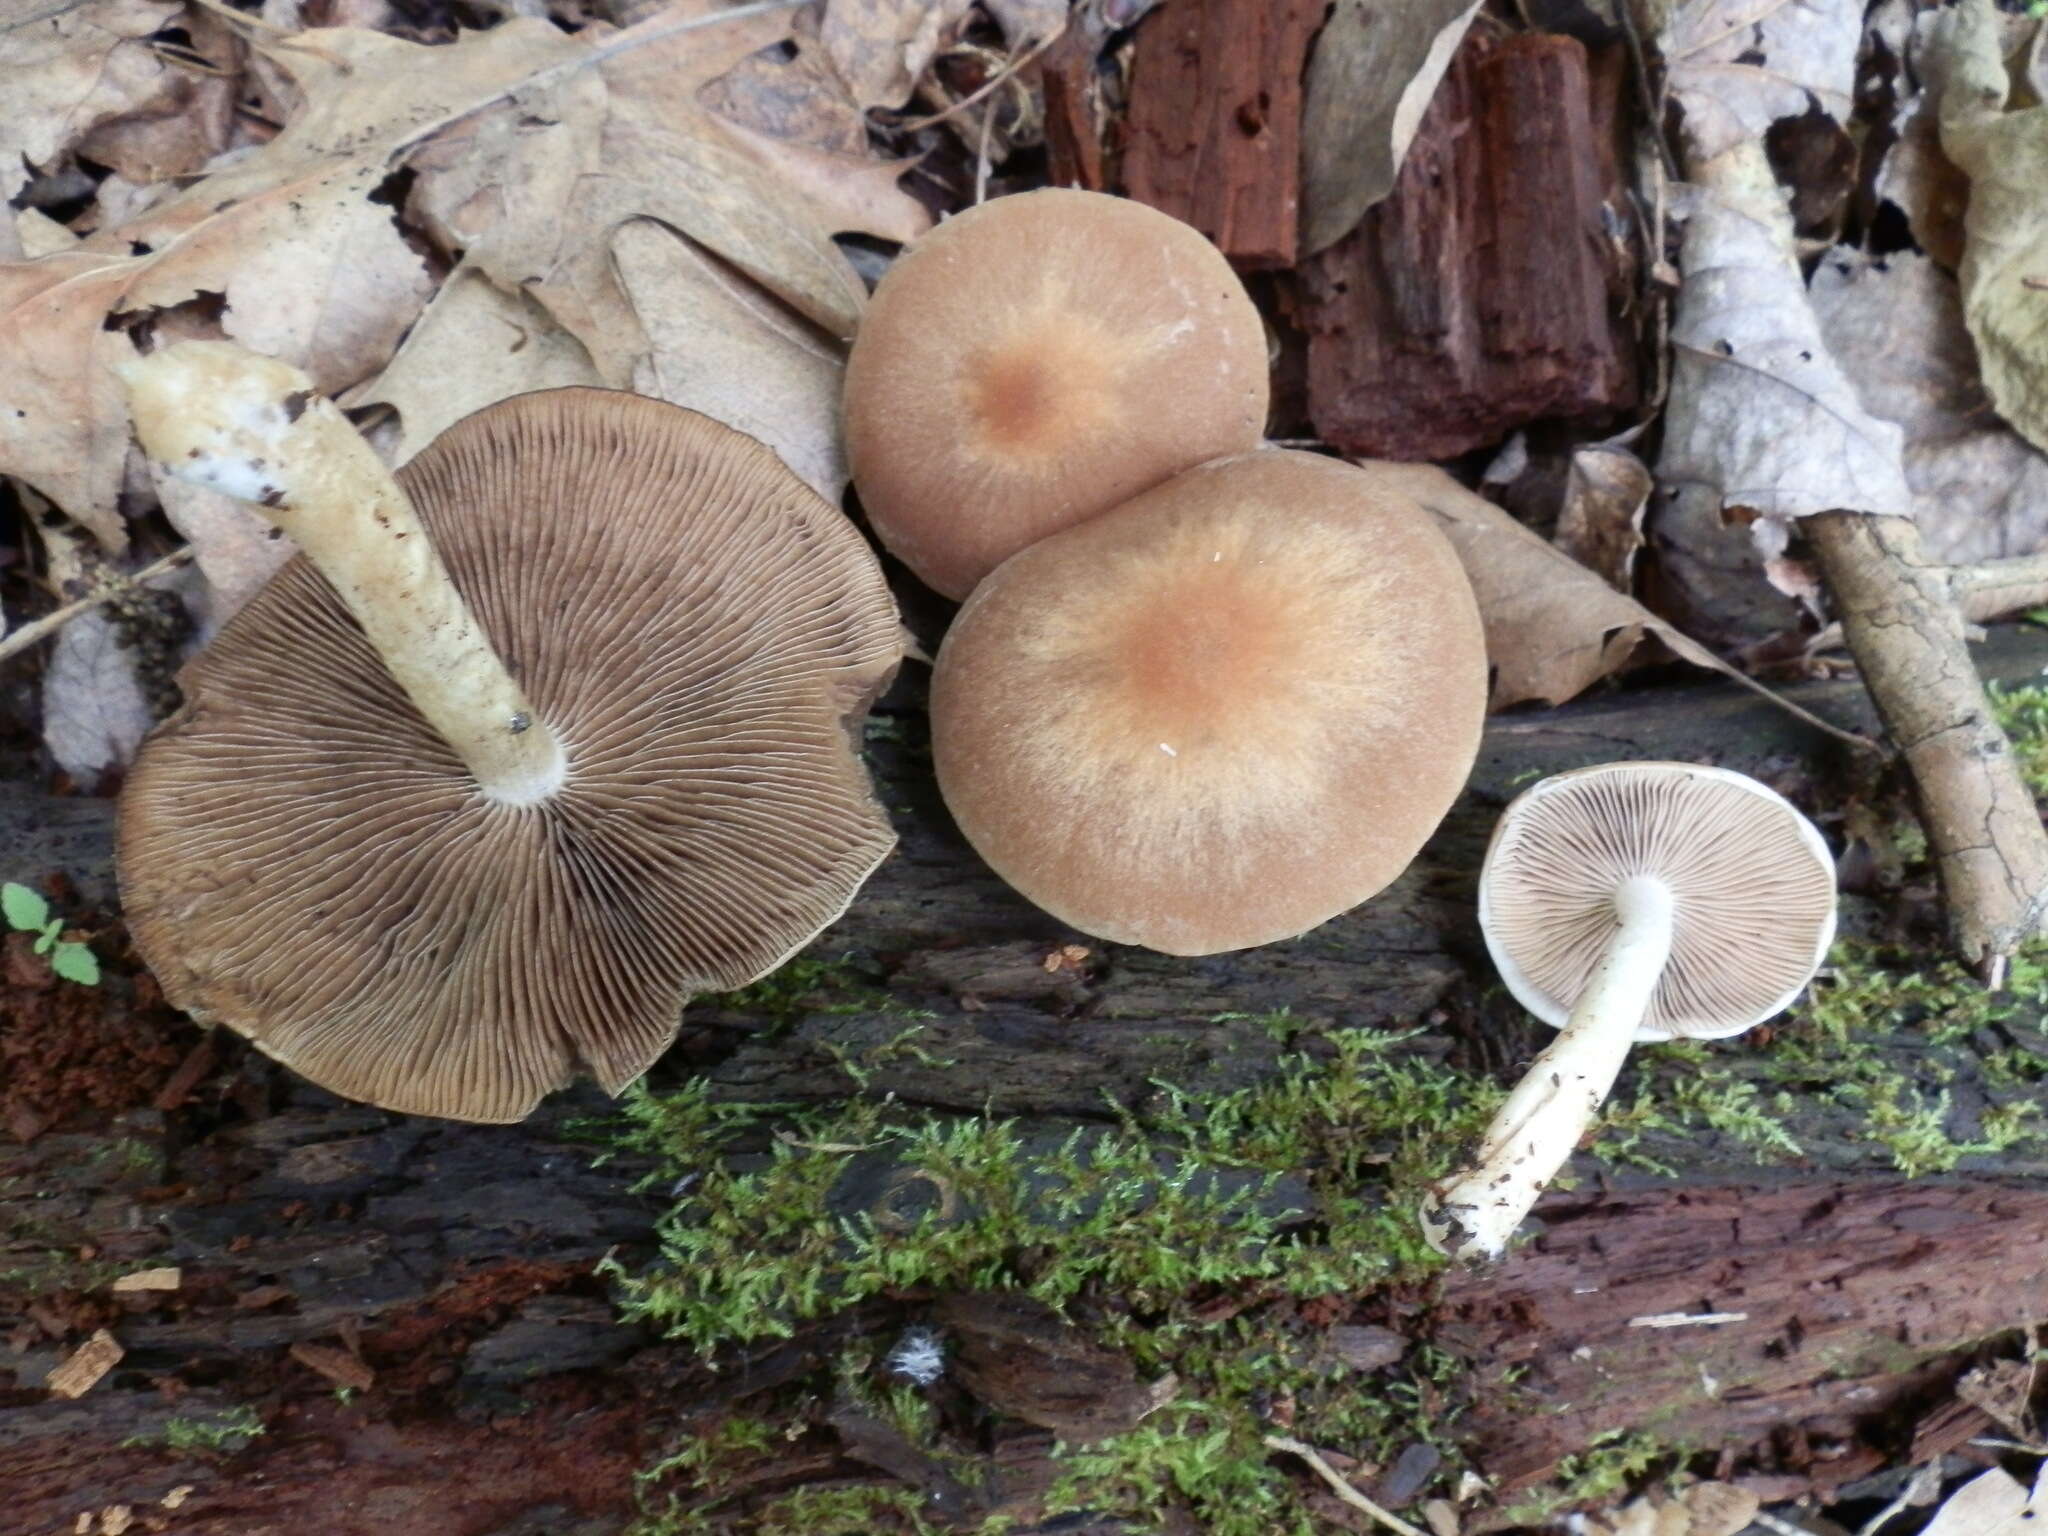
x: 95, y: 713
x: 2004, y: 272
x: 665, y: 239
x: 1762, y: 423
x: 1600, y: 524
x: 1895, y: 325
x: 1375, y: 66
x: 1553, y: 628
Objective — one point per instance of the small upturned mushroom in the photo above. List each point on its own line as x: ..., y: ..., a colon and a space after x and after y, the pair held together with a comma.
x: 1631, y: 901
x: 1035, y: 361
x: 1218, y: 715
x: 536, y: 741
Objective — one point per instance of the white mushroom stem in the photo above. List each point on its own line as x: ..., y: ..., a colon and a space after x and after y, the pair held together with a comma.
x: 256, y: 429
x: 1472, y: 1214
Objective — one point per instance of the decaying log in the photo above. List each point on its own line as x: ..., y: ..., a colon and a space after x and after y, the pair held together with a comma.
x: 454, y: 1263
x: 1490, y: 289
x: 1213, y: 130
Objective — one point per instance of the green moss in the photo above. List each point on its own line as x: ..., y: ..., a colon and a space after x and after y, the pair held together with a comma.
x: 220, y: 1434
x: 1867, y: 1039
x: 2022, y: 711
x: 1612, y: 1465
x: 1299, y: 1187
x: 1301, y: 1183
x: 1302, y: 1186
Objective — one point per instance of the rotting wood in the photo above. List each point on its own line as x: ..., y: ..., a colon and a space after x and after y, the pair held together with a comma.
x: 460, y: 1256
x: 1068, y: 78
x: 1212, y: 134
x: 1490, y: 288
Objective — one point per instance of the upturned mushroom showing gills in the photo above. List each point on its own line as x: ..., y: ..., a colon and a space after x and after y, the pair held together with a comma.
x: 534, y: 742
x: 1218, y: 715
x: 1632, y: 901
x: 1035, y: 361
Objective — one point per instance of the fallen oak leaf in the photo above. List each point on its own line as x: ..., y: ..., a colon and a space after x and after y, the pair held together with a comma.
x: 70, y: 68
x: 534, y: 196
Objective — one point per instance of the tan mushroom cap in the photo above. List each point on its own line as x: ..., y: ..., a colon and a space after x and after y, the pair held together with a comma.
x: 1220, y: 714
x: 1038, y: 360
x: 1752, y: 881
x: 303, y: 859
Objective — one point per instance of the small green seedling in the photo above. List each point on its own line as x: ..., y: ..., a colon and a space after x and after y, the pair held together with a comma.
x: 28, y: 912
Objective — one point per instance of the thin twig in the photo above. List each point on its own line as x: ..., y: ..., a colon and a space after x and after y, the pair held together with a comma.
x: 994, y: 82
x: 50, y: 623
x: 981, y: 165
x: 1340, y: 1486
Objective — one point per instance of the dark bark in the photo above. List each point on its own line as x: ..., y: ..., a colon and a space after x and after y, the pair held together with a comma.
x: 1491, y: 288
x: 454, y: 1262
x: 1212, y: 134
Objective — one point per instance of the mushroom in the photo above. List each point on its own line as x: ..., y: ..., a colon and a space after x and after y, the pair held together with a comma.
x: 1218, y: 715
x: 438, y: 835
x: 1630, y: 901
x: 1035, y: 361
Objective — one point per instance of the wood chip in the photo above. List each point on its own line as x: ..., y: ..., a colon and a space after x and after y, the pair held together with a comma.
x: 165, y: 1279
x: 92, y: 1360
x: 337, y: 1365
x: 176, y: 1496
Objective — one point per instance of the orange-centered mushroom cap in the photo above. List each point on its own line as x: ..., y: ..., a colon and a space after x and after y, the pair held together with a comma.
x: 1220, y: 714
x: 1038, y: 360
x: 304, y: 859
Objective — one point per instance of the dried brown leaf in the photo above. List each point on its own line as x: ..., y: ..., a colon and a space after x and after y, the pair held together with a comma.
x: 236, y: 548
x: 95, y: 713
x: 534, y: 194
x: 1375, y: 67
x: 1600, y: 524
x: 718, y: 344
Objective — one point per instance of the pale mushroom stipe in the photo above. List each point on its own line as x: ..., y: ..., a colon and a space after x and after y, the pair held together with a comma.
x: 1143, y: 722
x: 1631, y: 901
x: 1035, y: 361
x: 541, y: 738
